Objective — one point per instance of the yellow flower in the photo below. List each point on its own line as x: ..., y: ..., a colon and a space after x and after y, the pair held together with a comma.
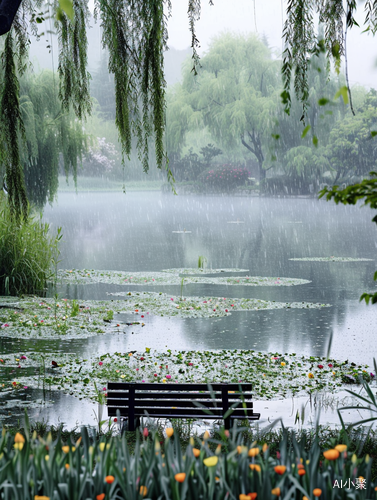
x: 276, y: 491
x: 211, y: 461
x: 192, y: 441
x: 341, y: 447
x: 18, y: 446
x: 65, y: 449
x: 169, y: 431
x: 91, y: 449
x: 265, y: 447
x: 19, y: 438
x: 218, y: 449
x: 253, y: 452
x: 67, y: 466
x: 41, y: 497
x: 310, y: 375
x: 102, y: 446
x: 206, y: 435
x: 47, y: 458
x: 282, y: 363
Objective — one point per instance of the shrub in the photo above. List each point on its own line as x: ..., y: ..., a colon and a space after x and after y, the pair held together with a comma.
x: 27, y: 253
x: 223, y: 178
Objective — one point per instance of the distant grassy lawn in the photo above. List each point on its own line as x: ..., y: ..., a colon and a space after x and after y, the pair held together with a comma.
x: 104, y: 184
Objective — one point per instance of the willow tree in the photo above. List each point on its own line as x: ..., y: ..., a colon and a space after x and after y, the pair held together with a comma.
x: 135, y: 34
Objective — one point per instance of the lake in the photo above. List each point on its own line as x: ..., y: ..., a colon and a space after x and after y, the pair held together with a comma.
x: 154, y: 231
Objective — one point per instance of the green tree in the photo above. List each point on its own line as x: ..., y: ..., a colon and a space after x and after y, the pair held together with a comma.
x: 235, y: 94
x: 49, y: 134
x: 351, y: 150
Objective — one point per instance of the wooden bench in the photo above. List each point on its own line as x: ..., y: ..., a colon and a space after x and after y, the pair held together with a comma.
x: 137, y: 399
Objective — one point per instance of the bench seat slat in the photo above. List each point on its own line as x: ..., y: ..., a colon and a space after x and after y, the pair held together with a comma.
x: 181, y: 413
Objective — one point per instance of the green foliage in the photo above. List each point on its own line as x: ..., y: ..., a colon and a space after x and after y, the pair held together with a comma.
x: 49, y: 133
x: 202, y: 261
x: 90, y: 469
x: 12, y: 128
x: 26, y: 253
x: 234, y: 94
x: 223, y: 178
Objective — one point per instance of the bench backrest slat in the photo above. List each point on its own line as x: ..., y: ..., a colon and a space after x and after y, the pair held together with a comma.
x: 179, y: 387
x: 169, y: 404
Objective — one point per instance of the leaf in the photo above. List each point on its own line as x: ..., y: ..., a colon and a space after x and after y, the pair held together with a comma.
x: 277, y: 136
x: 315, y: 140
x: 67, y: 7
x: 343, y: 91
x: 373, y: 133
x: 323, y: 101
x: 305, y: 131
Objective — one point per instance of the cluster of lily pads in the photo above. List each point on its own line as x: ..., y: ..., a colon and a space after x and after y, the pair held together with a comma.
x: 273, y: 375
x: 331, y: 259
x: 49, y: 318
x: 172, y: 277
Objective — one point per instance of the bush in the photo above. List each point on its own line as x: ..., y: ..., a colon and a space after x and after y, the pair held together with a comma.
x: 223, y: 178
x: 27, y: 253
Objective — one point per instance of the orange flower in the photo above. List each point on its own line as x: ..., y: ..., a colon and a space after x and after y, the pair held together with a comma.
x: 67, y: 466
x: 196, y: 452
x: 169, y: 431
x: 252, y: 496
x: 317, y: 492
x: 19, y: 438
x: 331, y: 454
x: 265, y: 447
x: 301, y: 472
x: 253, y: 452
x: 255, y: 467
x: 276, y: 491
x: 41, y: 497
x: 143, y: 490
x: 280, y: 469
x: 109, y: 479
x: 305, y: 498
x: 101, y: 496
x: 241, y: 496
x: 180, y: 477
x: 300, y: 466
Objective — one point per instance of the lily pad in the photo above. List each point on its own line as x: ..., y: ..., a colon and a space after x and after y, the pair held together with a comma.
x: 331, y: 259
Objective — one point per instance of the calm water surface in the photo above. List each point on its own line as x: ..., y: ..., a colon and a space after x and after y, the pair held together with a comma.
x: 134, y: 232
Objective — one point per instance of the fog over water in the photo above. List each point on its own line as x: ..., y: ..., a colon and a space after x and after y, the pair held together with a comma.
x: 135, y: 232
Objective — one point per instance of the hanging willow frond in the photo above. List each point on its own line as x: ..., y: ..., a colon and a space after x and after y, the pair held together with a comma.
x: 371, y: 15
x: 12, y: 127
x: 135, y: 34
x: 299, y: 38
x: 73, y: 75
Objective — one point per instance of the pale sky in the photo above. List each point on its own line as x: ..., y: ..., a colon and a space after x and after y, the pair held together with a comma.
x: 238, y: 16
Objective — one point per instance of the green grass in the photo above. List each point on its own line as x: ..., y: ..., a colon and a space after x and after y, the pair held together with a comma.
x: 27, y: 253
